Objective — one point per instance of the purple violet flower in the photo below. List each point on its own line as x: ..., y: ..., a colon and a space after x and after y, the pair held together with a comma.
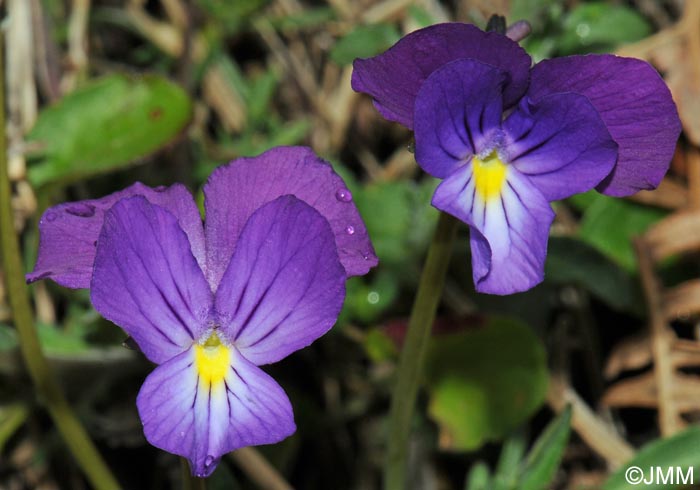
x: 264, y: 277
x: 507, y: 139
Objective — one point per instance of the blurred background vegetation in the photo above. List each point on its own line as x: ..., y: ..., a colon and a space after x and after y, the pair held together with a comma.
x: 102, y: 93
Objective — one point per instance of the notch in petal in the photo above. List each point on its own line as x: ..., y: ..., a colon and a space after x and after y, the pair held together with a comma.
x: 202, y: 419
x: 561, y: 143
x: 147, y: 281
x: 458, y: 110
x: 509, y: 230
x: 394, y: 77
x: 635, y: 104
x: 285, y: 286
x: 235, y: 191
x: 69, y: 232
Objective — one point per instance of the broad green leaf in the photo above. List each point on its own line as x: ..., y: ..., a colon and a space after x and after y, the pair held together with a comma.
x: 609, y: 224
x: 368, y: 300
x: 571, y: 260
x: 678, y: 451
x: 479, y: 477
x: 397, y: 218
x: 485, y: 382
x: 544, y: 458
x: 600, y: 27
x: 363, y: 42
x: 107, y: 124
x: 379, y: 347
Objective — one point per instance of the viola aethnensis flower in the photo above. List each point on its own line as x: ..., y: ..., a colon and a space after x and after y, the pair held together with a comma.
x: 507, y: 139
x: 264, y: 277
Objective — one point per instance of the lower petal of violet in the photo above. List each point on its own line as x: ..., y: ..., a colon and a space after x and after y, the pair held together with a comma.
x: 209, y: 401
x: 509, y: 221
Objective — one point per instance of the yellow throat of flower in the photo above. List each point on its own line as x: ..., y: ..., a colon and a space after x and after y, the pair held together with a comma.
x: 212, y: 360
x: 489, y: 176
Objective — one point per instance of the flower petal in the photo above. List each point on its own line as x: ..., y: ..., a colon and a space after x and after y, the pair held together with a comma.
x: 458, y: 109
x: 147, y: 281
x: 235, y: 191
x: 69, y: 232
x: 635, y: 104
x: 509, y: 230
x: 394, y: 77
x: 561, y: 143
x: 285, y: 286
x: 187, y: 412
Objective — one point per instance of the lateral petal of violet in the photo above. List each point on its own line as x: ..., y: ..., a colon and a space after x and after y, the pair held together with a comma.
x: 285, y: 286
x: 235, y: 191
x: 458, y: 110
x: 147, y: 281
x: 394, y: 77
x: 509, y: 225
x: 68, y: 232
x: 635, y: 104
x: 202, y: 405
x: 560, y: 143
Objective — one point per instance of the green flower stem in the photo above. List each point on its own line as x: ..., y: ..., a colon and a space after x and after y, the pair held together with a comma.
x: 45, y: 384
x: 190, y: 482
x: 414, y: 349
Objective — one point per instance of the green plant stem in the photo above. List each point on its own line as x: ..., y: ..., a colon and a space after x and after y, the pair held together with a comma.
x: 190, y: 482
x: 414, y: 349
x: 45, y: 384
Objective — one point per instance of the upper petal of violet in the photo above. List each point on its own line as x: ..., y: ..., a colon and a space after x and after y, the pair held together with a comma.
x: 285, y: 285
x: 561, y: 143
x: 68, y: 232
x: 394, y: 77
x: 147, y: 281
x: 458, y: 112
x: 635, y: 104
x: 235, y: 191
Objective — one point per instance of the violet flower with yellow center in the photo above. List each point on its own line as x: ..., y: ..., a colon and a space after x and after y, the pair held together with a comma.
x: 507, y: 139
x: 264, y: 277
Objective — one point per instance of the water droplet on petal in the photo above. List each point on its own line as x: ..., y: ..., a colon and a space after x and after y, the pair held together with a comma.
x: 209, y: 460
x: 182, y: 434
x: 50, y: 216
x: 82, y: 210
x: 343, y: 195
x: 350, y: 230
x: 366, y: 255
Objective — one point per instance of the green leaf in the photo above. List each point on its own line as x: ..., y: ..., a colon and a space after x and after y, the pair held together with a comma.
x: 379, y: 347
x: 571, y: 260
x: 677, y: 451
x: 305, y: 19
x: 368, y: 301
x: 544, y: 458
x: 479, y: 477
x: 600, y: 27
x: 397, y: 218
x: 105, y: 125
x: 512, y: 453
x: 363, y: 42
x: 8, y: 338
x: 609, y: 224
x: 485, y: 382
